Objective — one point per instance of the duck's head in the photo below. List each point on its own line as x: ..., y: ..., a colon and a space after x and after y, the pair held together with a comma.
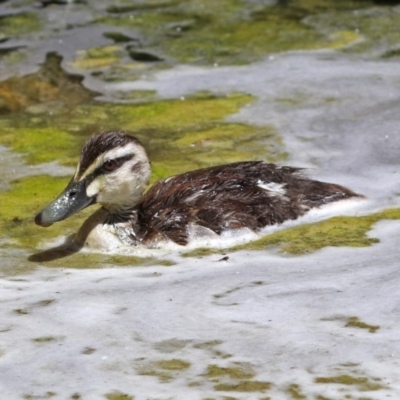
x: 113, y: 171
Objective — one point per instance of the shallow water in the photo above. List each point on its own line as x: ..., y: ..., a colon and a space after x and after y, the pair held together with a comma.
x: 235, y: 324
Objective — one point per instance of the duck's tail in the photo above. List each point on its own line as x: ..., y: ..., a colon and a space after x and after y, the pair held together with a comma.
x: 315, y: 193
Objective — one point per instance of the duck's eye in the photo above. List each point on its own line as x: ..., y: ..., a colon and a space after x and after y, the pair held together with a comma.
x: 110, y: 165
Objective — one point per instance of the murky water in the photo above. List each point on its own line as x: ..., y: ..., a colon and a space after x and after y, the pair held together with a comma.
x: 310, y: 310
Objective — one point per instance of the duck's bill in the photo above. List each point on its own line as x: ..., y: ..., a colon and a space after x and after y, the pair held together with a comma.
x: 70, y: 201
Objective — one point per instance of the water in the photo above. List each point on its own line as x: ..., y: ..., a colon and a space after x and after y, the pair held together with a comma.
x: 256, y: 325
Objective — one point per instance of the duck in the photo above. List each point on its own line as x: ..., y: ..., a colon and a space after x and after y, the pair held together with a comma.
x: 114, y: 171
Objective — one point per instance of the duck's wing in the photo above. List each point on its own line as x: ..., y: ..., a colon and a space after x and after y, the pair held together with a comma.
x: 241, y: 195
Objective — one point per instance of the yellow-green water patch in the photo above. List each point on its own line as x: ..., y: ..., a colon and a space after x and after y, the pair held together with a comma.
x: 118, y: 396
x: 186, y: 113
x: 182, y: 134
x: 179, y: 135
x: 173, y: 364
x: 295, y: 392
x: 376, y: 25
x: 362, y: 383
x: 337, y: 231
x: 164, y: 370
x: 238, y: 372
x: 237, y: 377
x: 216, y: 143
x: 246, y: 386
x: 22, y: 201
x: 98, y: 57
x: 14, y: 57
x: 41, y: 145
x: 82, y: 260
x: 234, y: 31
x: 355, y: 322
x: 19, y: 24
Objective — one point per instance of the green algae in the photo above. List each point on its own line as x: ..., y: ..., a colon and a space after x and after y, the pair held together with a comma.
x: 21, y: 202
x: 179, y: 134
x: 355, y: 322
x: 98, y: 57
x: 377, y: 26
x: 234, y: 31
x: 294, y: 392
x: 118, y: 396
x: 173, y: 364
x: 237, y: 372
x: 337, y: 231
x: 246, y: 386
x: 19, y: 24
x: 164, y: 370
x: 37, y: 146
x: 236, y: 377
x: 362, y: 383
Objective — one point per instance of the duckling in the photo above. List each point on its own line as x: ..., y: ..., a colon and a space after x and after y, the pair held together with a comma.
x: 114, y: 171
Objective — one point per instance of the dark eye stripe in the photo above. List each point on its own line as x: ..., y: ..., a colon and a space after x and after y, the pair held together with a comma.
x: 120, y: 161
x: 101, y: 143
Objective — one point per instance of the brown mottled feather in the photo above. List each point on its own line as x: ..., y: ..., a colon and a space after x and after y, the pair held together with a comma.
x: 228, y: 197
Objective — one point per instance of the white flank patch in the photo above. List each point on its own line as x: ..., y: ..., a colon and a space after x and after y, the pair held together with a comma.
x: 276, y: 189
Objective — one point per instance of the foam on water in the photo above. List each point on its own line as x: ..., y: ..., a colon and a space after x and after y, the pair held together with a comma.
x: 90, y: 332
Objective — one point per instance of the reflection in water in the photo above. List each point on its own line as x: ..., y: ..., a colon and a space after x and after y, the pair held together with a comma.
x: 66, y: 249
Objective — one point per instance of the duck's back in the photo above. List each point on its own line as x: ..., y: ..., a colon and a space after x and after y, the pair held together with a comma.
x: 240, y: 195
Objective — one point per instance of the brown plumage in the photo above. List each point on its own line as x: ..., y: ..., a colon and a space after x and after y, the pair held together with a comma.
x: 114, y: 170
x: 229, y: 197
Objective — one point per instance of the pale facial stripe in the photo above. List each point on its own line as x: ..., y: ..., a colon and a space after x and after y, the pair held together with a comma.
x: 127, y: 151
